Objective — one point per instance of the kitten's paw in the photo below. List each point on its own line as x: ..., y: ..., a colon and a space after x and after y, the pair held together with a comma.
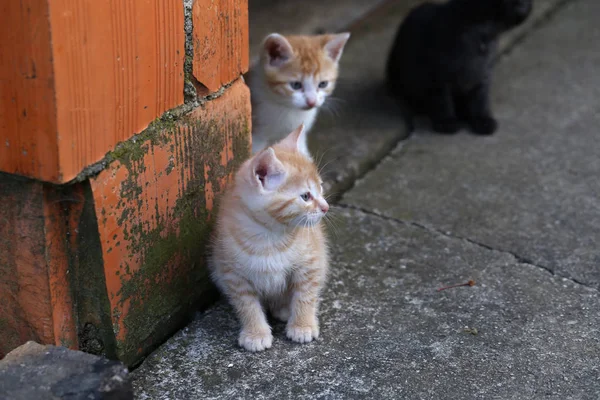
x: 483, y: 125
x: 447, y: 126
x: 255, y: 341
x: 282, y: 314
x: 302, y: 334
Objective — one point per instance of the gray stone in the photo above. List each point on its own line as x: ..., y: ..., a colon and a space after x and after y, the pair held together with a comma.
x: 532, y: 189
x: 388, y: 334
x: 33, y: 371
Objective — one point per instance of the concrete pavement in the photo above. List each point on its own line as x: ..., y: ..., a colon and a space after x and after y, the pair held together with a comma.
x: 517, y: 212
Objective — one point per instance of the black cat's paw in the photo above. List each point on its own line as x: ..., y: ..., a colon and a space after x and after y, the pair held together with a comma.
x: 447, y: 126
x: 483, y: 125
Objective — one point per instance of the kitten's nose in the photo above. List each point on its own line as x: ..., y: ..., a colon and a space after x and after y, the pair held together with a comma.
x: 324, y: 208
x: 311, y: 102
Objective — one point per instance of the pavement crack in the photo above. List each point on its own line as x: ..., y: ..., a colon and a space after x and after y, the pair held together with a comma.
x: 436, y: 231
x: 395, y: 145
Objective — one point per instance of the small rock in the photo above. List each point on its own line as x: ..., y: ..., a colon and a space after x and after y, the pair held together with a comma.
x: 472, y: 331
x: 34, y: 371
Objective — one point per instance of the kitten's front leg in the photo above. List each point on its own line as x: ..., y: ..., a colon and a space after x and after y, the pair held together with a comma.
x: 303, y: 325
x: 256, y: 332
x: 475, y: 105
x: 440, y: 106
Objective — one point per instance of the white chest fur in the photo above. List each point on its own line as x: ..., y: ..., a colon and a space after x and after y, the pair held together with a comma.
x: 269, y: 274
x: 271, y: 120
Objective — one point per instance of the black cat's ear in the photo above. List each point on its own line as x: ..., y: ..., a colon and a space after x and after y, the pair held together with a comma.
x: 277, y: 50
x: 335, y: 45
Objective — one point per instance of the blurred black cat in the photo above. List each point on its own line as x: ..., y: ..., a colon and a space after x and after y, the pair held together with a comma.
x: 441, y: 62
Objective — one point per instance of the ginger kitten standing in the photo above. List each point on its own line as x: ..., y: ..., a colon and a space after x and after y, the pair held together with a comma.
x: 270, y: 251
x: 292, y: 80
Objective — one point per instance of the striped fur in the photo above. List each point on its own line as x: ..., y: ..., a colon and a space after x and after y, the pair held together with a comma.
x: 277, y: 107
x: 269, y: 250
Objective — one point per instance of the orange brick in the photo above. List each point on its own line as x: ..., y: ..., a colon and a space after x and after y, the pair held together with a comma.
x: 221, y: 42
x: 28, y: 125
x: 35, y: 296
x: 81, y: 76
x: 153, y: 206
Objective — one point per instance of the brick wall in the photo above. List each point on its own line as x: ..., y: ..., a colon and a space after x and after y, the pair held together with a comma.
x: 120, y: 123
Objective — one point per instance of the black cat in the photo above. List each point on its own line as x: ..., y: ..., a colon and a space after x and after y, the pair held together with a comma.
x: 441, y: 62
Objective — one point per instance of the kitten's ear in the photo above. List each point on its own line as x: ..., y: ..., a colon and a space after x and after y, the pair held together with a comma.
x: 296, y: 141
x: 278, y: 49
x: 267, y: 170
x: 335, y: 46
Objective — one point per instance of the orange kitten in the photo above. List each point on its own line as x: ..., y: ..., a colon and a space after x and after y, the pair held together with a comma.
x: 292, y: 80
x: 270, y: 251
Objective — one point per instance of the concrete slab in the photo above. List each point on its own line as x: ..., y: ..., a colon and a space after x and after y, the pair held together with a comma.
x: 532, y: 189
x: 388, y: 334
x: 362, y: 123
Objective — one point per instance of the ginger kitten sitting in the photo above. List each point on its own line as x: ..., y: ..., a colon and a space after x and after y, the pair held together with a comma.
x: 270, y: 251
x: 293, y: 78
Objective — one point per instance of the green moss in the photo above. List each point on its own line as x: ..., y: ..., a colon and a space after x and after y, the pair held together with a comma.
x: 189, y: 88
x: 136, y: 148
x: 172, y: 277
x: 188, y: 69
x: 66, y: 343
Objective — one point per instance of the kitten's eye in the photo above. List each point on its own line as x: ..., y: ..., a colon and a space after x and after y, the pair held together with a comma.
x: 305, y: 196
x: 296, y: 85
x: 323, y: 84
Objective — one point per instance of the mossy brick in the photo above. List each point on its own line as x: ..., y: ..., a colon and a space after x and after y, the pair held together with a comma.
x: 153, y: 205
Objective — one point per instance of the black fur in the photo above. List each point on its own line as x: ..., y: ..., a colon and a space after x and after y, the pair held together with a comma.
x: 441, y: 62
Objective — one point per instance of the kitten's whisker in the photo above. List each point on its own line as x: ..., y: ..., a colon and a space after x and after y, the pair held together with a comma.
x: 333, y: 108
x: 321, y: 169
x: 330, y: 224
x: 330, y: 111
x: 331, y: 195
x: 324, y: 152
x: 336, y: 100
x: 320, y: 158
